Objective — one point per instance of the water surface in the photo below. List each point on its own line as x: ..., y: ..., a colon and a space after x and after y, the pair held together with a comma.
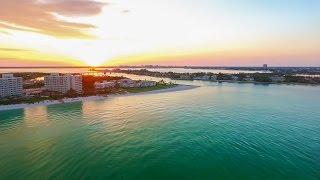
x: 221, y: 131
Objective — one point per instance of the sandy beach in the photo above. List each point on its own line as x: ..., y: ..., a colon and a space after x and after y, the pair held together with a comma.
x: 92, y: 98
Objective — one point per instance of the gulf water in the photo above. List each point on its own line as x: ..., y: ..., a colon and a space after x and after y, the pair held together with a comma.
x: 216, y: 131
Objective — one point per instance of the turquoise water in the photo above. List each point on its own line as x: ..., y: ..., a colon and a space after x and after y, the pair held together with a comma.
x: 217, y: 131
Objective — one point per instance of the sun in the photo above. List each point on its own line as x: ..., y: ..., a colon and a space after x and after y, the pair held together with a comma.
x: 92, y: 62
x: 94, y: 59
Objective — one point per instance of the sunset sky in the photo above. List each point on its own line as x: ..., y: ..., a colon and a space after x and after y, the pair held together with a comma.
x: 163, y: 32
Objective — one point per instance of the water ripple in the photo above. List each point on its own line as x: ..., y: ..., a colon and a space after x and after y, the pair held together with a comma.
x: 228, y: 131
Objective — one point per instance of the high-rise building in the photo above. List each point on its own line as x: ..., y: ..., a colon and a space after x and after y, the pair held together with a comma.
x: 10, y: 86
x: 265, y: 66
x: 63, y: 84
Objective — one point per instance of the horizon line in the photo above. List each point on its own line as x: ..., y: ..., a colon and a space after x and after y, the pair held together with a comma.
x: 152, y: 66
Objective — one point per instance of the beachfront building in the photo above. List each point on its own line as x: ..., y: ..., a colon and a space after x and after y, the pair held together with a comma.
x: 33, y: 92
x: 10, y: 86
x: 126, y: 83
x: 147, y: 83
x: 63, y: 84
x: 129, y: 83
x: 105, y: 84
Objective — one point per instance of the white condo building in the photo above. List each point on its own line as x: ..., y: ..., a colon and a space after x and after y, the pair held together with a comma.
x: 10, y: 86
x: 63, y: 84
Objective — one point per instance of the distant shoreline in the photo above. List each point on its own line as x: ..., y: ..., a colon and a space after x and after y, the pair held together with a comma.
x: 144, y: 66
x: 266, y: 83
x: 93, y: 98
x: 255, y: 78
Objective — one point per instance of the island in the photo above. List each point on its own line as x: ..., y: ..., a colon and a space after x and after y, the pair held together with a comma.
x: 270, y: 77
x: 24, y: 89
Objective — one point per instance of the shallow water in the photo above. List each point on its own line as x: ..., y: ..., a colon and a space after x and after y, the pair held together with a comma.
x: 222, y: 131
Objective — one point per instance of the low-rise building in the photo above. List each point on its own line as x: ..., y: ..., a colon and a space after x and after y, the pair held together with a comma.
x: 105, y: 84
x: 126, y: 83
x: 129, y: 83
x: 10, y: 86
x: 202, y: 78
x: 33, y: 92
x: 63, y: 84
x: 148, y: 83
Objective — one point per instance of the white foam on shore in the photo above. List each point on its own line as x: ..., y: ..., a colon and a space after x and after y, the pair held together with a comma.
x: 92, y: 98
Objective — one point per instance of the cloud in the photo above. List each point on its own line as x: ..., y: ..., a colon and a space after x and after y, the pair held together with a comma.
x: 126, y: 11
x: 40, y: 16
x: 16, y: 62
x: 75, y: 7
x: 14, y: 50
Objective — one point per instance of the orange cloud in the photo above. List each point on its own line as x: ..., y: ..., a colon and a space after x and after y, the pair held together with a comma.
x: 15, y: 62
x: 28, y: 57
x: 39, y: 16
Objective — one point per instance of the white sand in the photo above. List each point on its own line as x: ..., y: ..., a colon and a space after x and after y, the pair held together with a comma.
x: 92, y: 98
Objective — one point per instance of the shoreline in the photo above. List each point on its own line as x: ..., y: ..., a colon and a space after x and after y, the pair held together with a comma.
x: 221, y: 81
x: 265, y: 83
x: 179, y: 87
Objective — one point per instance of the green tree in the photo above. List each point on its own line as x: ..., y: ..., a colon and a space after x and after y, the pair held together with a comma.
x: 72, y: 93
x: 241, y: 76
x: 260, y: 77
